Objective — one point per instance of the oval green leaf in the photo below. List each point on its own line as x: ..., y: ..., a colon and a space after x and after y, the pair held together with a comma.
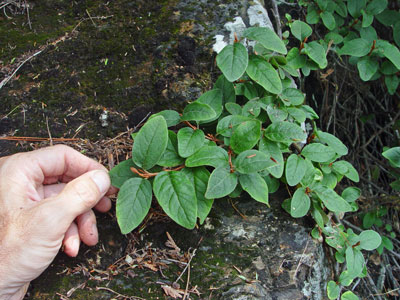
x: 133, y: 203
x: 150, y: 143
x: 232, y: 61
x: 264, y: 74
x: 197, y: 111
x: 285, y: 132
x: 189, y: 141
x: 318, y: 152
x: 177, y: 197
x: 295, y: 169
x: 208, y: 156
x: 331, y: 200
x: 300, y: 203
x: 251, y: 161
x: 317, y: 53
x: 245, y: 136
x: 172, y: 117
x: 171, y: 158
x: 256, y: 186
x: 266, y: 37
x: 122, y: 172
x: 369, y: 240
x: 300, y: 30
x: 221, y: 183
x: 272, y: 150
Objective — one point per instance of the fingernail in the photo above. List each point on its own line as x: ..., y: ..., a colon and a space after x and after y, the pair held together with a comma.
x: 102, y: 180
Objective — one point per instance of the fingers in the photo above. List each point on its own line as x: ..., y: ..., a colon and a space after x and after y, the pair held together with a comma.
x: 71, y: 240
x: 103, y: 205
x: 52, y: 190
x: 80, y: 195
x: 87, y: 228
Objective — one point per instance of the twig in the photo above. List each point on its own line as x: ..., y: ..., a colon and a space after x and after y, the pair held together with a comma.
x: 301, y: 259
x: 36, y: 139
x: 91, y: 19
x: 7, y: 79
x: 275, y: 11
x: 48, y: 131
x: 187, y: 282
x: 27, y: 13
x: 188, y: 264
x: 99, y: 288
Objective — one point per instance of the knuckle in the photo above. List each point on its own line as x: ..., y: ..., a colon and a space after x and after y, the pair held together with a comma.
x: 86, y: 193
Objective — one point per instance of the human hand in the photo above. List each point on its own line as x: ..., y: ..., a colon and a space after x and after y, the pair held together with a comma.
x: 46, y: 201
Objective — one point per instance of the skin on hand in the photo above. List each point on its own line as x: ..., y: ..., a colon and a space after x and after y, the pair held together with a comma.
x: 46, y: 201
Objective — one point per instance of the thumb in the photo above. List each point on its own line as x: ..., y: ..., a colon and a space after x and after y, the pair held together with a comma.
x: 83, y: 193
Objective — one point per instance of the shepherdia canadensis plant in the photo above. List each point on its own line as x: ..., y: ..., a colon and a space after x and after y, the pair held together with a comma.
x: 351, y: 32
x: 247, y: 134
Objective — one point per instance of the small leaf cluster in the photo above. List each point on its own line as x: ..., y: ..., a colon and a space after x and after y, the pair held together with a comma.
x: 247, y: 134
x: 393, y: 156
x: 351, y: 32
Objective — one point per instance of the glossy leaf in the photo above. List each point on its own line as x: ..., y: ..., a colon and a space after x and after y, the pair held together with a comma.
x: 300, y: 203
x: 300, y: 30
x: 355, y: 261
x: 177, y: 197
x: 172, y: 117
x: 189, y: 141
x: 232, y: 61
x: 199, y: 177
x: 227, y: 88
x: 376, y: 6
x: 390, y: 51
x: 351, y: 194
x: 256, y: 186
x: 133, y: 203
x: 297, y: 114
x: 295, y: 169
x: 272, y: 150
x: 208, y: 156
x: 349, y: 171
x: 150, y: 143
x: 317, y: 53
x: 369, y: 240
x: 331, y: 200
x: 122, y: 172
x: 393, y: 155
x: 292, y: 96
x: 171, y: 158
x: 333, y: 290
x: 233, y: 108
x: 355, y: 6
x: 276, y: 113
x: 367, y: 67
x: 245, y: 136
x: 197, y: 111
x: 388, y: 17
x: 212, y: 98
x: 221, y: 183
x: 328, y: 20
x: 227, y: 125
x: 266, y: 37
x: 332, y: 142
x: 318, y: 152
x: 357, y: 47
x: 251, y: 161
x: 285, y: 132
x: 349, y: 295
x: 264, y: 74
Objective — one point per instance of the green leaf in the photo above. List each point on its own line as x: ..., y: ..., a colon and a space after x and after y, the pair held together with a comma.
x: 133, y: 203
x: 396, y: 33
x: 296, y: 113
x: 171, y: 158
x: 300, y: 203
x: 122, y: 172
x: 369, y: 34
x: 312, y: 16
x: 317, y: 53
x: 355, y: 261
x: 227, y: 88
x: 197, y: 111
x: 177, y: 197
x: 355, y: 6
x: 212, y: 98
x: 232, y: 61
x: 189, y: 141
x: 328, y: 20
x: 285, y: 132
x: 272, y: 150
x: 150, y: 143
x: 349, y: 295
x: 172, y: 117
x: 341, y: 8
x: 295, y: 59
x: 251, y: 161
x: 266, y: 37
x: 233, y: 108
x: 318, y: 152
x: 357, y: 47
x: 221, y: 183
x: 295, y: 169
x: 256, y: 186
x: 310, y: 112
x: 387, y: 68
x: 367, y: 67
x: 345, y: 168
x: 390, y: 51
x: 199, y: 177
x: 370, y: 240
x: 333, y: 142
x: 300, y: 30
x: 309, y: 175
x: 292, y: 96
x: 333, y: 290
x: 273, y: 184
x: 251, y: 108
x: 331, y: 200
x: 351, y: 194
x: 376, y: 6
x: 276, y: 113
x: 367, y: 19
x: 264, y: 74
x: 392, y: 82
x: 388, y: 17
x: 345, y: 279
x: 227, y: 125
x: 208, y: 156
x: 387, y: 243
x: 245, y: 136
